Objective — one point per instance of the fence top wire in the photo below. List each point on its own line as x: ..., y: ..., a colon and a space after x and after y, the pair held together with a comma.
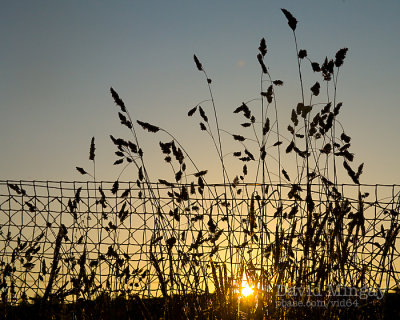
x: 154, y: 183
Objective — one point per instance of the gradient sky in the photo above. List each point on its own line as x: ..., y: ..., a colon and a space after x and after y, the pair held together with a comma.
x: 59, y: 58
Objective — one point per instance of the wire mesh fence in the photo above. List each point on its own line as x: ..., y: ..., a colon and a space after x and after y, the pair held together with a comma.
x: 77, y: 240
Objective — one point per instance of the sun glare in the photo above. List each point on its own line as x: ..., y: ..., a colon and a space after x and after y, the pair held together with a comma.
x: 246, y: 289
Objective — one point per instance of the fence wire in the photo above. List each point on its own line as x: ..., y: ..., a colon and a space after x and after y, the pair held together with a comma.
x: 76, y: 240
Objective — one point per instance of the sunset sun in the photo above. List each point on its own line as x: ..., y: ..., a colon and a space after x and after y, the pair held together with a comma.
x: 246, y: 289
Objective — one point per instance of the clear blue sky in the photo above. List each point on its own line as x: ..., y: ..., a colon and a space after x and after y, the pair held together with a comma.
x: 59, y: 58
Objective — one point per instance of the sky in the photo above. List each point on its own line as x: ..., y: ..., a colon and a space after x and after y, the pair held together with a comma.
x: 58, y: 60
